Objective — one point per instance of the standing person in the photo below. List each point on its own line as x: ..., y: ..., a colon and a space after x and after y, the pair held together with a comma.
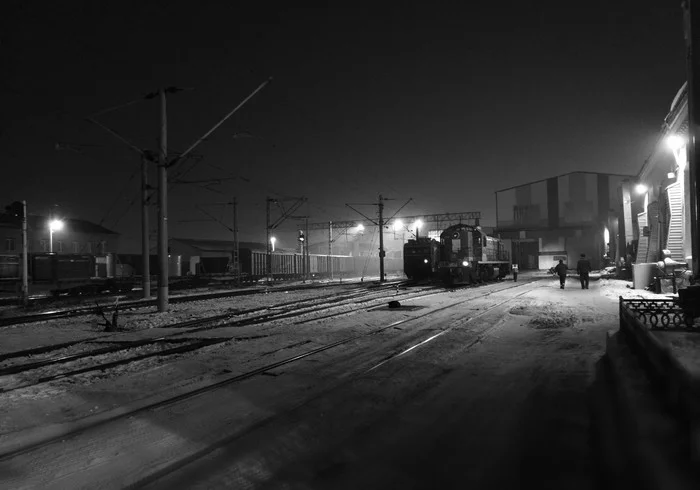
x: 515, y: 272
x: 561, y: 270
x: 583, y: 268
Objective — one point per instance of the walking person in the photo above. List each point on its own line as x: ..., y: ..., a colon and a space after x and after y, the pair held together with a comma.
x: 583, y: 268
x: 561, y: 270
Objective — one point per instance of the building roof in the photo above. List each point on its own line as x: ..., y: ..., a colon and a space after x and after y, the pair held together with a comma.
x: 564, y: 175
x: 37, y: 222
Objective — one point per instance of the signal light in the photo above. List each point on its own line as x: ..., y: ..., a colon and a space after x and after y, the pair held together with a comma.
x: 301, y: 236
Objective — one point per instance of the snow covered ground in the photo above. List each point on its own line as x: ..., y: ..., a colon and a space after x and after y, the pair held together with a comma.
x: 518, y: 374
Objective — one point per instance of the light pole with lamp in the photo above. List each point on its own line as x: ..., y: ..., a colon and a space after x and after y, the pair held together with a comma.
x: 54, y: 225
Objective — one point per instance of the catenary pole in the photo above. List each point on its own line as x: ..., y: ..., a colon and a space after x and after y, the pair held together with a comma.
x: 163, y: 207
x: 381, y: 239
x: 330, y: 250
x: 693, y: 60
x: 236, y: 250
x: 25, y: 258
x: 145, y: 242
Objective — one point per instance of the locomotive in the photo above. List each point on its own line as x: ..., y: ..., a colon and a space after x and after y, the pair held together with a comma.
x: 468, y: 255
x: 421, y: 257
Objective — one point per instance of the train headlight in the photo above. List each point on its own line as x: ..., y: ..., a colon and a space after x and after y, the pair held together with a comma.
x: 425, y: 261
x: 465, y: 263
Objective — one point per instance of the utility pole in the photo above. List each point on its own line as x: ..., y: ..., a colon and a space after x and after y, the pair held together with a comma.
x: 382, y: 253
x: 145, y: 242
x: 25, y: 259
x: 692, y: 13
x: 307, y: 262
x: 268, y: 265
x: 330, y: 249
x: 236, y: 252
x: 163, y: 207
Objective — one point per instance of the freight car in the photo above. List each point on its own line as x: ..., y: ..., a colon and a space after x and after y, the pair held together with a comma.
x: 76, y: 274
x: 290, y: 265
x: 421, y: 258
x: 468, y: 255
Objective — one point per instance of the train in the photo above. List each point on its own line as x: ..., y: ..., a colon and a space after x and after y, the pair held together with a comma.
x: 421, y: 257
x: 93, y: 274
x: 468, y: 255
x: 64, y: 273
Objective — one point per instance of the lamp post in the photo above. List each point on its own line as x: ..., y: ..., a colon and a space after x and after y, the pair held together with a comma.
x: 272, y: 242
x: 54, y: 225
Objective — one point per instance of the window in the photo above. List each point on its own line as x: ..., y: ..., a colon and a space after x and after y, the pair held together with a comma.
x: 76, y: 247
x: 44, y: 245
x: 10, y: 244
x: 59, y: 246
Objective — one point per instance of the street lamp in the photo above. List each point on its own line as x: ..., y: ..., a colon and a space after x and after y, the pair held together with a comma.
x: 398, y: 224
x: 641, y: 188
x: 54, y: 225
x: 272, y: 241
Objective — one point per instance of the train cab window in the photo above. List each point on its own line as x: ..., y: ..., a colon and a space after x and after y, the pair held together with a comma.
x: 59, y: 246
x: 76, y: 247
x: 9, y: 244
x: 44, y: 245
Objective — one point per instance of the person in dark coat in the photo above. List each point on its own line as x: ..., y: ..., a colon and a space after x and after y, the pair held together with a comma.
x: 561, y: 270
x: 583, y: 268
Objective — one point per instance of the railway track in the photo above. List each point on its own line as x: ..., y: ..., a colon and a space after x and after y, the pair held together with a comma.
x: 91, y: 310
x: 108, y: 418
x: 278, y: 312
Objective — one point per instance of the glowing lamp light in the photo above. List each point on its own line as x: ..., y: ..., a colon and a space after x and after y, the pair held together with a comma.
x: 465, y: 263
x: 360, y: 227
x: 641, y: 188
x: 425, y: 261
x: 418, y: 224
x: 56, y: 225
x: 675, y: 142
x: 398, y: 224
x: 272, y: 241
x: 671, y: 175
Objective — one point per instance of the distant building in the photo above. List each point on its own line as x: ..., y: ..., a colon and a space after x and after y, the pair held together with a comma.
x: 560, y: 218
x: 208, y: 256
x: 76, y: 237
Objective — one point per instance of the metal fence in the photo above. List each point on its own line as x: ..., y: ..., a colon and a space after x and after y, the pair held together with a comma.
x: 660, y: 314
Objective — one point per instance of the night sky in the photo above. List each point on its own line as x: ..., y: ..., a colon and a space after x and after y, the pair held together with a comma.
x: 440, y: 102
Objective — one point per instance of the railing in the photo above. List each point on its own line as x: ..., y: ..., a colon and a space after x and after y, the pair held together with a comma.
x: 660, y: 314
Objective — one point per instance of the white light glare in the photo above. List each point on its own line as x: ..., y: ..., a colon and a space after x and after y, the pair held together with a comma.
x: 425, y: 261
x: 671, y: 175
x: 418, y: 224
x: 360, y: 227
x: 465, y: 263
x: 641, y: 188
x: 675, y: 142
x: 56, y: 225
x: 398, y: 225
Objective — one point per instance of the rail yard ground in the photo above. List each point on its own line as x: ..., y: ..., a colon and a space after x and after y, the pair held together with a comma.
x: 484, y: 387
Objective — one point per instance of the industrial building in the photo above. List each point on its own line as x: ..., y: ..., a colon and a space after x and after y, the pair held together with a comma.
x: 657, y: 201
x: 73, y: 236
x: 560, y: 218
